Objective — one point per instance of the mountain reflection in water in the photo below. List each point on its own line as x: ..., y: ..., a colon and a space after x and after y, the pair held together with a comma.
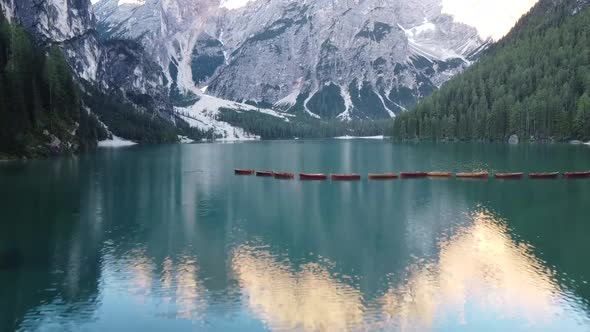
x: 480, y: 272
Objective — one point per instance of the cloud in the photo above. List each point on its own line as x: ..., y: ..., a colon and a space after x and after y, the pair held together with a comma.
x: 491, y: 18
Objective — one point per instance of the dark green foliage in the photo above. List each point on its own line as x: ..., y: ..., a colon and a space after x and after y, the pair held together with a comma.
x: 41, y: 105
x: 206, y: 58
x: 367, y: 102
x: 449, y: 64
x: 327, y: 102
x: 403, y: 96
x: 421, y: 62
x: 379, y: 31
x: 40, y: 108
x: 90, y: 131
x: 276, y: 29
x: 270, y: 127
x: 425, y: 86
x: 533, y: 83
x: 203, y: 66
x: 124, y: 120
x: 260, y: 104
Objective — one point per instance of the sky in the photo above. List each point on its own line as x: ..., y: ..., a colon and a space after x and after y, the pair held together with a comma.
x: 492, y: 18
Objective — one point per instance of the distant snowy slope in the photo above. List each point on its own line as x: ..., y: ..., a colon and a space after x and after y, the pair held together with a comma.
x: 203, y: 115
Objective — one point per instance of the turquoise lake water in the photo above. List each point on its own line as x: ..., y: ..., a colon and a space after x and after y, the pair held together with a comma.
x: 166, y: 238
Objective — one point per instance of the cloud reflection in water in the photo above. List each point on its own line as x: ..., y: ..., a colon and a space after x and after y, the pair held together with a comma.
x: 481, y: 276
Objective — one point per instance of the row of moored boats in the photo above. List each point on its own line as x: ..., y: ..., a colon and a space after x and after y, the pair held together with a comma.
x: 413, y: 175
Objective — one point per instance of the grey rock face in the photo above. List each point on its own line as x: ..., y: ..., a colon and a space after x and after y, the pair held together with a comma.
x: 55, y: 20
x: 169, y: 31
x: 68, y: 23
x: 346, y: 59
x: 71, y: 25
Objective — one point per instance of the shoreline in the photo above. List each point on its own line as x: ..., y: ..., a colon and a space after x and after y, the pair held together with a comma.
x: 122, y: 143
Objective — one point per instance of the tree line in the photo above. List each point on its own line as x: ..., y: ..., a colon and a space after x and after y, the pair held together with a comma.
x: 270, y: 127
x: 535, y: 83
x: 39, y: 100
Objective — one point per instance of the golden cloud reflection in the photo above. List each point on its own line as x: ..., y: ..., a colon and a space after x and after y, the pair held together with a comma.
x: 177, y: 285
x: 482, y: 269
x: 286, y: 299
x: 481, y: 273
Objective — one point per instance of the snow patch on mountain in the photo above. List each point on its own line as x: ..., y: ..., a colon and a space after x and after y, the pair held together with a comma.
x: 425, y: 26
x: 348, y: 106
x: 203, y: 115
x: 205, y: 120
x: 115, y: 142
x: 390, y: 112
x: 131, y: 2
x: 291, y: 99
x: 431, y: 49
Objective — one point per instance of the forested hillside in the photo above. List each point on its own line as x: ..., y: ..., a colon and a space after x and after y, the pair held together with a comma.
x: 270, y: 127
x: 40, y: 108
x: 45, y: 111
x: 534, y: 83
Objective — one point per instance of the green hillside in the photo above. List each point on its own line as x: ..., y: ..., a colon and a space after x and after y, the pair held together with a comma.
x: 534, y: 83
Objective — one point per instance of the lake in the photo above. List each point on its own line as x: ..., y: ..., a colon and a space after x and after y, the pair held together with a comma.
x: 163, y: 238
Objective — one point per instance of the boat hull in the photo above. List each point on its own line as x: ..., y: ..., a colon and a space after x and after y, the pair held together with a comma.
x: 244, y: 172
x: 346, y: 177
x: 313, y: 177
x: 388, y: 176
x: 440, y: 174
x: 264, y: 174
x: 414, y: 175
x: 284, y: 176
x: 481, y: 175
x: 577, y: 175
x: 544, y: 176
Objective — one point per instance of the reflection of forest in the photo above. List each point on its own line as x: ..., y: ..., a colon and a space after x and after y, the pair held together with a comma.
x: 53, y: 258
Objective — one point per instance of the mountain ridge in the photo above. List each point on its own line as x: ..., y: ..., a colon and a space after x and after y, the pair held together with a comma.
x: 246, y: 54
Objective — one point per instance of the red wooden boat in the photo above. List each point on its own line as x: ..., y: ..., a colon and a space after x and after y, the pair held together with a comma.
x: 317, y: 177
x: 509, y: 176
x: 284, y: 176
x: 541, y: 176
x: 244, y: 172
x: 414, y: 175
x: 346, y: 177
x: 386, y: 176
x: 477, y: 175
x: 264, y: 173
x: 577, y: 175
x: 440, y: 174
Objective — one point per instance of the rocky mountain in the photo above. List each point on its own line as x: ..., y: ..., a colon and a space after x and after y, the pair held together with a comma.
x: 365, y: 59
x: 71, y: 25
x: 119, y: 81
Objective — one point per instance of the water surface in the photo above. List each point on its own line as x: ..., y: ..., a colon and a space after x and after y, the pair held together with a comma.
x: 167, y: 238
